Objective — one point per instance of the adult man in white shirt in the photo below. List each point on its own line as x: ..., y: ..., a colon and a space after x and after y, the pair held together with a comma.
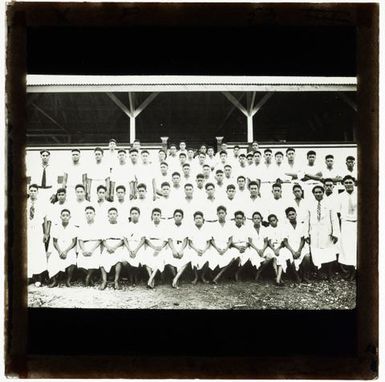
x: 291, y: 168
x: 121, y: 204
x: 228, y: 176
x: 210, y: 203
x: 144, y: 203
x: 186, y: 176
x: 299, y: 203
x: 98, y: 173
x: 347, y: 208
x: 189, y: 203
x: 74, y: 174
x: 350, y: 167
x: 161, y: 177
x: 111, y: 255
x: 172, y: 157
x: 122, y: 176
x: 276, y: 205
x: 241, y: 191
x: 77, y: 206
x: 330, y: 194
x: 62, y: 250
x: 182, y: 148
x: 200, y: 192
x: 230, y: 201
x: 297, y: 250
x: 220, y: 187
x: 111, y: 157
x: 221, y: 256
x: 253, y: 202
x: 37, y: 235
x: 134, y: 169
x: 45, y: 176
x: 177, y: 256
x: 210, y: 158
x: 102, y: 205
x: 165, y: 202
x: 330, y: 171
x: 312, y: 173
x: 53, y: 215
x: 176, y: 190
x: 323, y: 231
x: 255, y: 169
x: 146, y: 174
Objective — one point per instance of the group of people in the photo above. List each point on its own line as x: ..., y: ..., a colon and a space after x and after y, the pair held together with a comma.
x: 211, y: 211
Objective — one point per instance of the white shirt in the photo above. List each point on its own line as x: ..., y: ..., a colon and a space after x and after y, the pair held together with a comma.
x: 98, y: 171
x: 200, y: 236
x: 276, y: 235
x: 74, y: 174
x: 347, y: 206
x: 294, y: 235
x: 35, y: 171
x: 145, y: 175
x: 156, y: 234
x: 240, y: 234
x: 122, y: 176
x: 78, y: 211
x: 258, y: 237
x: 123, y: 210
x: 55, y: 210
x: 134, y: 232
x: 221, y: 233
x: 64, y: 235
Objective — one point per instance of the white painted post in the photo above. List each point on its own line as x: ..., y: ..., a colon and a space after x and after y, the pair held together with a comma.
x: 250, y: 131
x: 132, y: 129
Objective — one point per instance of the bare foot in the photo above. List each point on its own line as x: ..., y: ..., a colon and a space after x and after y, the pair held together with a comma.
x: 194, y: 282
x: 117, y: 285
x: 103, y: 285
x: 53, y: 284
x: 175, y: 284
x: 205, y: 281
x: 215, y: 281
x: 68, y: 283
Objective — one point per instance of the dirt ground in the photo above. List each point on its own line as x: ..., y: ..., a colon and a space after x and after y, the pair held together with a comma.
x: 245, y: 294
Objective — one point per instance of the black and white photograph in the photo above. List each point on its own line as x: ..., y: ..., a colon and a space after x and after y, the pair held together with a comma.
x: 191, y: 192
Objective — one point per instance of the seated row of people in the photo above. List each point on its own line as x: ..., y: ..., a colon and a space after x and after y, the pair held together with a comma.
x: 216, y: 244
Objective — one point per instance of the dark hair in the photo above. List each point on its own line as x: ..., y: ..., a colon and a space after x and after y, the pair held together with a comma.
x: 275, y: 185
x: 268, y: 151
x: 290, y: 149
x: 328, y: 180
x: 135, y: 209
x: 122, y: 151
x: 75, y: 150
x: 290, y: 209
x: 34, y: 185
x: 141, y: 185
x: 44, y: 151
x: 329, y: 156
x: 350, y: 157
x: 257, y: 213
x: 278, y: 153
x: 221, y: 208
x: 121, y: 187
x: 237, y: 213
x: 156, y: 210
x: 175, y: 173
x: 253, y: 183
x: 133, y: 151
x: 65, y: 210
x: 98, y: 149
x: 241, y: 177
x: 271, y: 216
x: 165, y: 184
x: 198, y: 213
x: 347, y: 177
x: 311, y: 152
x: 101, y: 187
x: 178, y: 211
x: 209, y: 184
x: 113, y: 209
x: 61, y: 190
x: 188, y: 185
x: 89, y: 208
x: 230, y: 186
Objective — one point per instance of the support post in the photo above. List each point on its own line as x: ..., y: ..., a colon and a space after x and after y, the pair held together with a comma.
x: 132, y: 129
x: 164, y: 143
x: 250, y: 131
